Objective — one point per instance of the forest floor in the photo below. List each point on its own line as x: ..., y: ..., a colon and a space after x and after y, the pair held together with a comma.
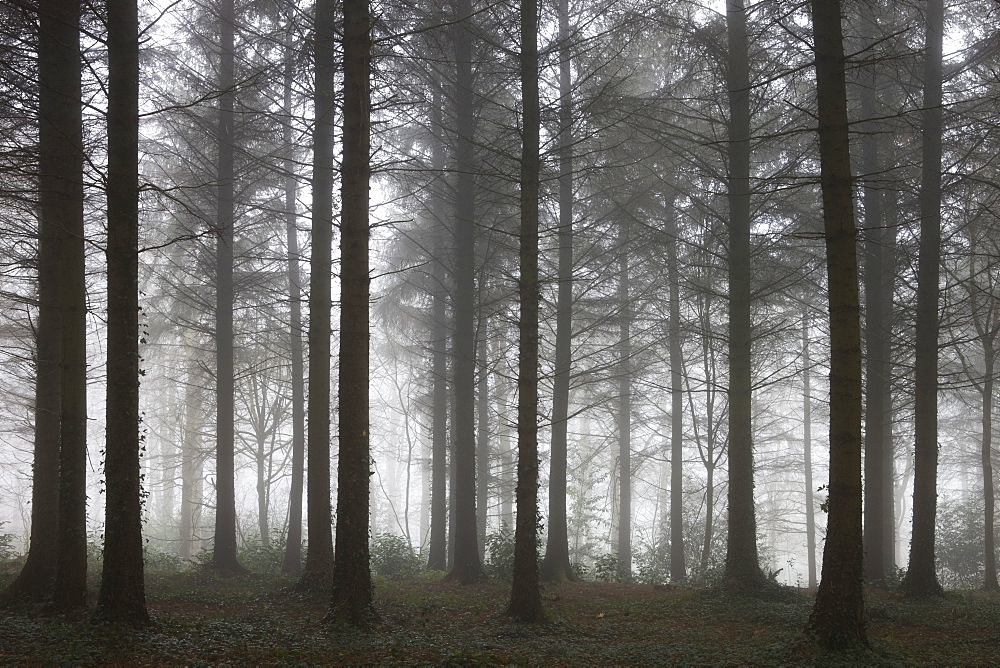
x: 204, y: 619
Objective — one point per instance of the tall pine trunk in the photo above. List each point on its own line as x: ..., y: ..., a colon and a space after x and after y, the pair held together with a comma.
x: 678, y: 571
x: 989, y: 541
x: 292, y: 560
x: 807, y: 446
x: 878, y: 401
x: 624, y: 410
x: 122, y: 597
x: 318, y: 570
x: 556, y: 565
x: 921, y: 576
x: 742, y: 565
x: 437, y: 558
x: 70, y: 590
x: 482, y: 438
x: 353, y: 593
x: 525, y: 596
x: 224, y: 555
x: 837, y: 620
x: 60, y: 203
x: 192, y: 457
x: 467, y: 566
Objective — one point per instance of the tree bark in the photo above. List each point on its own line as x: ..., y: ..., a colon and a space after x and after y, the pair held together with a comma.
x: 624, y: 410
x: 192, y: 457
x: 60, y: 200
x: 70, y: 590
x: 742, y: 565
x: 986, y: 324
x: 525, y: 596
x: 482, y: 438
x: 921, y: 576
x: 807, y: 446
x: 438, y: 552
x: 353, y: 593
x: 878, y: 401
x: 837, y: 620
x: 318, y: 570
x: 467, y: 566
x: 989, y: 497
x: 122, y: 596
x: 224, y: 555
x: 678, y: 572
x: 292, y: 560
x: 556, y: 565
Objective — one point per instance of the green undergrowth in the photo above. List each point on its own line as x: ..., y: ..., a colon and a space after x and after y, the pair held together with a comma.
x: 206, y: 618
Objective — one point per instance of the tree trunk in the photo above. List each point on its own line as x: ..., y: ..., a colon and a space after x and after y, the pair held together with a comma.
x: 192, y: 459
x: 921, y: 576
x: 556, y: 565
x: 318, y: 570
x: 467, y: 567
x: 878, y: 562
x: 989, y: 542
x: 263, y: 527
x: 807, y: 449
x: 60, y: 200
x: 507, y: 463
x: 678, y: 572
x: 352, y: 583
x: 837, y: 620
x: 292, y: 560
x: 742, y: 565
x: 706, y: 546
x: 624, y: 411
x: 70, y: 592
x: 224, y: 556
x: 482, y: 440
x: 122, y: 597
x: 525, y: 595
x: 438, y: 552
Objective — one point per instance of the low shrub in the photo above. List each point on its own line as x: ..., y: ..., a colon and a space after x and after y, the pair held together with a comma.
x: 499, y: 562
x: 606, y: 568
x: 392, y: 556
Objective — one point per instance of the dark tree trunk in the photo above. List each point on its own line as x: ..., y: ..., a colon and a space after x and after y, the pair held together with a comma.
x: 989, y: 541
x: 482, y: 439
x: 438, y: 551
x: 837, y: 620
x: 878, y: 401
x: 70, y: 590
x: 292, y: 560
x: 352, y: 583
x: 525, y: 595
x: 224, y: 555
x: 192, y: 456
x: 706, y: 546
x: 921, y: 577
x: 467, y: 567
x: 624, y: 411
x: 60, y: 200
x: 807, y: 449
x: 506, y: 481
x: 556, y: 565
x: 192, y: 461
x: 318, y: 570
x: 985, y: 310
x: 677, y: 570
x: 742, y: 565
x: 122, y: 597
